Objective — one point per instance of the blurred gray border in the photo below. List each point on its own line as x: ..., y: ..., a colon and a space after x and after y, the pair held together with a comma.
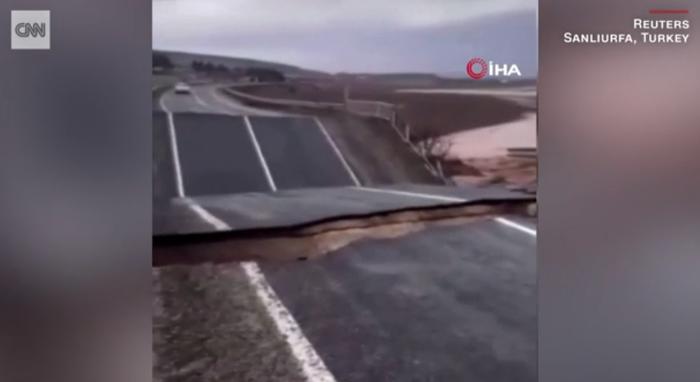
x: 619, y: 216
x: 75, y: 194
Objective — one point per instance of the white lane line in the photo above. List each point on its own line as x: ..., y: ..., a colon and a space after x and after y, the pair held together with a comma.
x: 221, y: 108
x: 176, y: 156
x: 415, y: 195
x: 201, y: 102
x: 517, y: 226
x: 337, y: 152
x: 258, y: 151
x: 161, y: 102
x: 504, y: 221
x: 239, y: 108
x: 234, y: 108
x: 312, y: 366
x: 215, y: 222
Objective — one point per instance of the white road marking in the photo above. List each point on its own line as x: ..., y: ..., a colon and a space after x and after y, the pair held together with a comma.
x: 416, y: 195
x: 161, y: 102
x: 176, y: 156
x: 502, y: 220
x: 201, y: 102
x: 338, y: 153
x: 220, y: 98
x: 220, y: 109
x: 517, y: 226
x: 258, y: 151
x: 217, y: 223
x: 312, y: 366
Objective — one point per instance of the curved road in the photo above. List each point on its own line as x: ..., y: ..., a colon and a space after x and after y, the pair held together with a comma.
x: 447, y: 303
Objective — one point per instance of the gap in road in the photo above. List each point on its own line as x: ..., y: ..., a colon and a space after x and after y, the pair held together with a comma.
x: 273, y: 135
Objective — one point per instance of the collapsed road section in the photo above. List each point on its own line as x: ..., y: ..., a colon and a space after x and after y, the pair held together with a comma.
x: 346, y: 284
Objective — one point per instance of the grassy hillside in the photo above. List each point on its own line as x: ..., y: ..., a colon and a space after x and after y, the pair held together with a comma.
x: 182, y: 59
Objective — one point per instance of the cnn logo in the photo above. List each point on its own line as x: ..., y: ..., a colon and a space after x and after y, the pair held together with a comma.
x: 31, y: 30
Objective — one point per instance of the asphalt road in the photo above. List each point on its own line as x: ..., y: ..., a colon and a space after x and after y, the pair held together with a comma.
x: 220, y: 150
x: 216, y: 155
x: 164, y: 185
x: 295, y: 150
x: 207, y: 99
x: 446, y: 303
x: 298, y: 153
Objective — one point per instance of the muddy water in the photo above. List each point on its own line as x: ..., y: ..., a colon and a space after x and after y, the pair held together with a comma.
x: 493, y: 141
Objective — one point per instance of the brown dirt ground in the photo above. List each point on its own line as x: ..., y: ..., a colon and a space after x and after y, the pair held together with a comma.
x: 428, y: 114
x: 518, y: 173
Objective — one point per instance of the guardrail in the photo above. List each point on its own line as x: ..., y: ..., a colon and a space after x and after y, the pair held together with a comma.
x: 283, y: 101
x: 377, y: 109
x: 365, y: 108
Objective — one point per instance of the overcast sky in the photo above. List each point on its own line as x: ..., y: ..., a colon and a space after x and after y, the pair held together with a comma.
x: 436, y: 36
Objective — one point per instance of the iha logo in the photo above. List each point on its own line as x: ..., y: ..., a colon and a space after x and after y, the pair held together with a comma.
x: 477, y: 68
